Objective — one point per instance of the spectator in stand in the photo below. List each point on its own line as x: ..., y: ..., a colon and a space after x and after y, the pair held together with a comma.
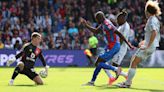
x: 72, y: 29
x: 16, y: 37
x: 8, y: 43
x: 53, y: 16
x: 17, y: 46
x: 44, y: 46
x: 59, y: 41
x: 85, y: 44
x: 51, y: 44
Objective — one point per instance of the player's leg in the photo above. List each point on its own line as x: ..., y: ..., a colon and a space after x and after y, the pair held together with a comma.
x: 135, y: 60
x: 116, y: 65
x: 131, y: 72
x: 132, y: 69
x: 108, y: 56
x: 38, y: 80
x: 117, y: 59
x: 110, y: 76
x: 30, y: 73
x: 96, y: 71
x: 107, y: 71
x: 18, y: 69
x: 101, y: 65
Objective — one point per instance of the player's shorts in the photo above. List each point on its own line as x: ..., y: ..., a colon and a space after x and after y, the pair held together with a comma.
x: 108, y: 54
x: 29, y: 72
x: 144, y: 54
x: 94, y: 51
x: 118, y: 57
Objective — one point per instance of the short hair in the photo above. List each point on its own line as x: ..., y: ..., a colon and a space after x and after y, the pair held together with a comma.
x: 35, y: 34
x: 123, y: 13
x: 153, y: 8
x: 98, y: 13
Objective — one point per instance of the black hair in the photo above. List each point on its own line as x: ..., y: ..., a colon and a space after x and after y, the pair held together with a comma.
x: 123, y: 13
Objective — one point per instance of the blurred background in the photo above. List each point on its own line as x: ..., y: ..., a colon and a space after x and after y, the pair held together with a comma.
x: 63, y: 35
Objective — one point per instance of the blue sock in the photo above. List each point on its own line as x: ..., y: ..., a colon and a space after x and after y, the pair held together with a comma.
x: 105, y: 66
x: 98, y: 69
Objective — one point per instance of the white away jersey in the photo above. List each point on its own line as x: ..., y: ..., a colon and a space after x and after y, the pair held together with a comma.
x: 152, y: 24
x: 125, y: 31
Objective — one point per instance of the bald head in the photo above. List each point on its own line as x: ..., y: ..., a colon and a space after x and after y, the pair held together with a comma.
x: 99, y: 17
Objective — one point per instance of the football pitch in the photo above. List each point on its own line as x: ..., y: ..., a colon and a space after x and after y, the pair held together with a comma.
x: 71, y: 80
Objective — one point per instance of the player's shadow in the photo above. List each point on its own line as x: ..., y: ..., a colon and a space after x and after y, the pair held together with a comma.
x: 151, y: 90
x: 26, y: 85
x: 106, y: 86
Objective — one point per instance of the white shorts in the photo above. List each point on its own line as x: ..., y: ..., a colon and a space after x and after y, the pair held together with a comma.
x: 144, y: 54
x: 119, y: 57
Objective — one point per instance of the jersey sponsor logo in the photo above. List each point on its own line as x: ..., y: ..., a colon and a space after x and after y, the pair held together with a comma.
x: 30, y: 50
x: 30, y: 59
x: 37, y: 51
x: 108, y: 24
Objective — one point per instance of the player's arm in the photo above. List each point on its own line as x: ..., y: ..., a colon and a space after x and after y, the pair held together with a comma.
x: 22, y: 51
x: 123, y: 38
x: 19, y: 54
x: 153, y: 30
x: 10, y: 61
x: 41, y: 57
x: 152, y: 37
x: 92, y: 29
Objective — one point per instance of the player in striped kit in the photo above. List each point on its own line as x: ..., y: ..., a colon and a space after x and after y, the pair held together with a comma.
x: 113, y: 44
x: 124, y: 29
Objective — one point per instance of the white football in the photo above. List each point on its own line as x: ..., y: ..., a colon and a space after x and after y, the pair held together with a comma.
x: 43, y: 73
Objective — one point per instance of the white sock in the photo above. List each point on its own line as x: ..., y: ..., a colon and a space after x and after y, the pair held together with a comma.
x: 12, y: 80
x: 108, y: 73
x: 131, y: 74
x: 123, y: 74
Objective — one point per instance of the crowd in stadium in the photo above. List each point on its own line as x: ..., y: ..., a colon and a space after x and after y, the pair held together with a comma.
x: 58, y: 21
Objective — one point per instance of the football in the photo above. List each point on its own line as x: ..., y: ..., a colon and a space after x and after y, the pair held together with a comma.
x: 43, y: 73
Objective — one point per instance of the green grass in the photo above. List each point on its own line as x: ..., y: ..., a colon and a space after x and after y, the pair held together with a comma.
x: 71, y: 79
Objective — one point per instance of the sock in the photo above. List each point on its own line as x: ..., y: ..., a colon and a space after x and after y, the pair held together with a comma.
x: 16, y: 72
x: 131, y: 74
x: 105, y: 66
x: 108, y: 73
x: 123, y: 74
x: 11, y: 80
x: 98, y: 68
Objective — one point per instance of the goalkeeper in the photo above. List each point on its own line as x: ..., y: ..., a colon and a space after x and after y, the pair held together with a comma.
x: 29, y: 54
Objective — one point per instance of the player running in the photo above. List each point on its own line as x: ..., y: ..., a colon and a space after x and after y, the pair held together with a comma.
x: 29, y: 54
x: 113, y: 44
x: 124, y: 29
x: 152, y: 38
